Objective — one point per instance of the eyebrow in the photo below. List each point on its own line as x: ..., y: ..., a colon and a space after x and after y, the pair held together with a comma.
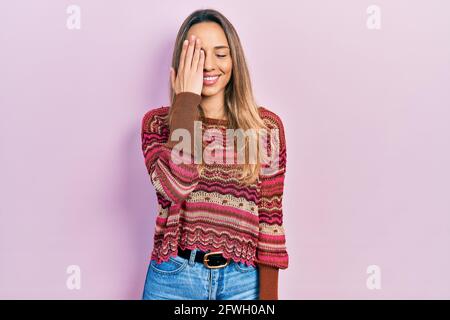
x: 218, y: 47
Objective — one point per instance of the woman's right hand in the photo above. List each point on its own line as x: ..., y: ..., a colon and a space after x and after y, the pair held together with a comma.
x: 190, y: 68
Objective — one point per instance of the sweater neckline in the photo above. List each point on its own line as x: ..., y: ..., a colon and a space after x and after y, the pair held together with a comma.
x: 215, y: 121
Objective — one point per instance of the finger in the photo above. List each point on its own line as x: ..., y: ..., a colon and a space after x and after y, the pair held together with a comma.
x: 196, y: 55
x: 182, y: 56
x: 201, y: 62
x: 188, y: 60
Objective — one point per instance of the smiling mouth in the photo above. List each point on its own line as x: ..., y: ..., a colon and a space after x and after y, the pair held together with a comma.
x: 211, y: 78
x: 211, y: 81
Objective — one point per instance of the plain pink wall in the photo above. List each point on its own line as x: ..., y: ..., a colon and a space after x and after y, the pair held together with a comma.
x: 366, y: 114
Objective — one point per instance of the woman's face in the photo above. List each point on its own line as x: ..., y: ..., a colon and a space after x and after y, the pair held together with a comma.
x: 217, y: 56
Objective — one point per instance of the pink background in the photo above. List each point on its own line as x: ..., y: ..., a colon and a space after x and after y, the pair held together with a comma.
x: 366, y: 114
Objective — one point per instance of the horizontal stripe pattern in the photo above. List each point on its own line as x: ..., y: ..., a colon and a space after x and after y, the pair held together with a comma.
x: 212, y: 211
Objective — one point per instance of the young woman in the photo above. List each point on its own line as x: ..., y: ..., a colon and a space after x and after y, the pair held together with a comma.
x: 219, y: 231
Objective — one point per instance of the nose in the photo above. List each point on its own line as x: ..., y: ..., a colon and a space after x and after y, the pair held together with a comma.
x: 208, y: 62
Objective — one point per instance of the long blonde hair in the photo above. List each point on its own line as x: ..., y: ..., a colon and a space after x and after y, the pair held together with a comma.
x: 240, y: 106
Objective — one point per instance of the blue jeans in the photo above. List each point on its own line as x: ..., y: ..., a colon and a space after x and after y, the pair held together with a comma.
x: 186, y: 279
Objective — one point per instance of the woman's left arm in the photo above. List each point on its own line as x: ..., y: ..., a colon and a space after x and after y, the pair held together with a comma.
x: 271, y: 251
x: 268, y: 283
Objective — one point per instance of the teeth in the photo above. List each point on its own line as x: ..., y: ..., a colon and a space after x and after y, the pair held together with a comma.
x: 210, y: 78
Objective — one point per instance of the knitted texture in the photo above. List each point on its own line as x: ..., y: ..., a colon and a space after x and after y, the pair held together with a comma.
x: 213, y: 211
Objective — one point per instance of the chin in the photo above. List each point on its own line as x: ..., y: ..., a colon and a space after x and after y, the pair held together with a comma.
x: 208, y: 92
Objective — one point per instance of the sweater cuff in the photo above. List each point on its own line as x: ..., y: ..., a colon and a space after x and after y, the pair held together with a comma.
x: 268, y: 282
x: 186, y: 111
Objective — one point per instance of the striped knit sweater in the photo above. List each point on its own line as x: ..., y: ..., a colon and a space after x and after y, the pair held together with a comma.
x: 212, y: 211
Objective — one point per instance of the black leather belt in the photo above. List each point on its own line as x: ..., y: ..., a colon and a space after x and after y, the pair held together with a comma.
x: 212, y: 260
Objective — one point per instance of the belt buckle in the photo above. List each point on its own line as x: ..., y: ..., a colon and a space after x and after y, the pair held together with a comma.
x: 213, y: 267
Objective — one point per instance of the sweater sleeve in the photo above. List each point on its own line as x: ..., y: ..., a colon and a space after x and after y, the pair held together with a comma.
x: 271, y: 249
x: 173, y: 175
x: 268, y: 282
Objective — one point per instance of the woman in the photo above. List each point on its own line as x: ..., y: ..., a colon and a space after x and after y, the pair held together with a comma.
x: 219, y: 233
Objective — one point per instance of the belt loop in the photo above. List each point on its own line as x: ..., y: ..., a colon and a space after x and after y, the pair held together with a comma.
x: 192, y: 258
